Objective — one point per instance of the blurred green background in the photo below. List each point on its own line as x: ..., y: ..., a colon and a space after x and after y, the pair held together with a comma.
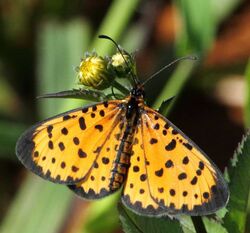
x: 41, y: 42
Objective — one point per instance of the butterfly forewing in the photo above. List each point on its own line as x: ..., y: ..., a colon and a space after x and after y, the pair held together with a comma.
x: 181, y: 178
x: 63, y: 148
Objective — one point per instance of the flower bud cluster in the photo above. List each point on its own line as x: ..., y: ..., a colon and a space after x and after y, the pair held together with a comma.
x: 99, y: 72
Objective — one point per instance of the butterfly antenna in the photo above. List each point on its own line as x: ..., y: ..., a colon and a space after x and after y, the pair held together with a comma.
x: 118, y: 47
x: 168, y: 65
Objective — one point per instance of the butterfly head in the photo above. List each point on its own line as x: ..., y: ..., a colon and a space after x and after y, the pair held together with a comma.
x: 138, y: 92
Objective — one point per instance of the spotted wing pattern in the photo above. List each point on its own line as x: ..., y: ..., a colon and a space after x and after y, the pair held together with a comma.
x: 64, y: 149
x: 136, y: 193
x: 169, y: 174
x: 104, y: 175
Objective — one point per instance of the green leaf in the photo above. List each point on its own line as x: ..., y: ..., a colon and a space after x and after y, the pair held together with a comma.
x: 199, y: 26
x: 239, y: 175
x: 212, y: 226
x: 200, y: 22
x: 85, y: 94
x: 39, y: 207
x: 133, y: 223
x: 165, y: 105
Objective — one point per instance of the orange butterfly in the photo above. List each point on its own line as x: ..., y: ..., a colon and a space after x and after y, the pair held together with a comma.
x: 103, y: 147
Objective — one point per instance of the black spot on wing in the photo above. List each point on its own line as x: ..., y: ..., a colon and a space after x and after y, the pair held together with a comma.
x: 174, y: 132
x: 169, y: 163
x: 99, y: 127
x: 156, y: 126
x: 61, y: 146
x: 50, y: 145
x: 185, y: 160
x: 64, y: 131
x: 194, y: 180
x: 63, y: 165
x: 159, y: 172
x: 76, y: 140
x: 94, y: 108
x: 171, y: 145
x: 81, y: 153
x: 49, y: 129
x: 153, y: 141
x: 102, y: 113
x: 105, y: 104
x: 74, y: 169
x: 36, y: 154
x: 143, y: 177
x: 172, y: 192
x: 201, y: 165
x: 188, y: 146
x: 105, y: 160
x: 136, y: 168
x: 82, y: 123
x: 66, y: 117
x: 85, y: 110
x: 182, y: 176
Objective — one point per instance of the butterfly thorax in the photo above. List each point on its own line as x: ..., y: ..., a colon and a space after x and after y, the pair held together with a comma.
x: 134, y: 101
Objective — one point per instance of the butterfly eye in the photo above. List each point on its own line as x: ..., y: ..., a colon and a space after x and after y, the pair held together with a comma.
x: 93, y: 72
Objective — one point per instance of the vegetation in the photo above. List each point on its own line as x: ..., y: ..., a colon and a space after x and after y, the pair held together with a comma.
x: 42, y: 40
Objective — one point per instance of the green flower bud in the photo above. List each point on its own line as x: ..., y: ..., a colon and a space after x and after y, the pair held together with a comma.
x: 93, y: 72
x: 120, y: 67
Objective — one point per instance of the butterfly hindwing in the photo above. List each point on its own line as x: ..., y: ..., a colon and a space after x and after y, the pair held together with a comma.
x: 63, y: 148
x: 179, y: 178
x: 98, y: 182
x: 136, y: 193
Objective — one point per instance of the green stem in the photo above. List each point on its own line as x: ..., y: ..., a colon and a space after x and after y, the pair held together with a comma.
x: 121, y: 88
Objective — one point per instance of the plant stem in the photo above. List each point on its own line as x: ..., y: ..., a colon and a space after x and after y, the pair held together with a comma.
x: 121, y: 88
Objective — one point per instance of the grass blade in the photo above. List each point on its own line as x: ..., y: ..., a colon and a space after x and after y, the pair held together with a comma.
x: 114, y: 24
x: 39, y: 207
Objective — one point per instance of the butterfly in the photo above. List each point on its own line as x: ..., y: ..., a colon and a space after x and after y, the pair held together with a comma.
x: 123, y: 144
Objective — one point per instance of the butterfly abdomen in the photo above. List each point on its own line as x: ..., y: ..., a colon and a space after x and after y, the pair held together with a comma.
x: 122, y: 161
x: 124, y: 151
